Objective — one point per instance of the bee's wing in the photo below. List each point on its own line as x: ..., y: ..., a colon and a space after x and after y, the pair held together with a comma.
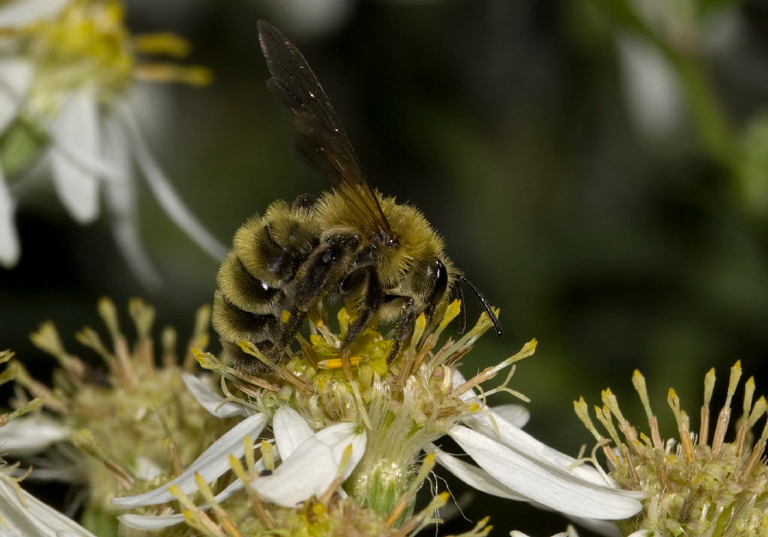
x: 321, y: 139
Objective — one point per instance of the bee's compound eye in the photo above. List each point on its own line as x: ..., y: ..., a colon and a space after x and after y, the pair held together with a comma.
x: 440, y: 275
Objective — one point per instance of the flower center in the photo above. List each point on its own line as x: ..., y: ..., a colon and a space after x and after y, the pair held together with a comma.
x: 86, y: 44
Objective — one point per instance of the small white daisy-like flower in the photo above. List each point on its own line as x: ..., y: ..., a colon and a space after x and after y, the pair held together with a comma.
x: 363, y: 425
x: 21, y: 514
x: 66, y: 68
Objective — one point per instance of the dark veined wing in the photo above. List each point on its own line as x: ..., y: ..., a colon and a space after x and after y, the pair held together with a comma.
x: 320, y: 139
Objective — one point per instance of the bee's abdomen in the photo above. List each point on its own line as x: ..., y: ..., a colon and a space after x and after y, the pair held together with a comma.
x: 246, y: 291
x: 235, y: 324
x: 268, y: 252
x: 273, y: 247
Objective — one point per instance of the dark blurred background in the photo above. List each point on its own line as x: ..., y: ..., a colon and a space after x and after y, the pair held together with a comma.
x: 551, y: 143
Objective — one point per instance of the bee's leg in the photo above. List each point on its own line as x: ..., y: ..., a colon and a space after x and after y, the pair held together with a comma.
x: 405, y: 325
x: 313, y: 278
x: 372, y: 297
x: 394, y: 351
x: 289, y: 328
x: 324, y: 265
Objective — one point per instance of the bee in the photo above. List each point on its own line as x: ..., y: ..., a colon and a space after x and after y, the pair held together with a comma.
x: 349, y: 243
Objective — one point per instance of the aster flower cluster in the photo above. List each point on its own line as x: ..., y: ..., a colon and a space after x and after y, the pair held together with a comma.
x: 109, y: 428
x: 66, y: 71
x: 357, y: 434
x: 323, y: 444
x: 699, y: 483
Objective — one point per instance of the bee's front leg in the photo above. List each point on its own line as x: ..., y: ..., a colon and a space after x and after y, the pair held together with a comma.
x: 406, y: 321
x: 366, y: 281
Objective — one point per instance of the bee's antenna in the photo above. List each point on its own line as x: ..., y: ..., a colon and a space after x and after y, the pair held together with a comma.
x: 484, y: 302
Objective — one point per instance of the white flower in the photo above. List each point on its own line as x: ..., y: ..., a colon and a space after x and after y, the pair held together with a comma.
x: 513, y: 465
x: 380, y: 423
x: 23, y: 515
x: 311, y: 461
x: 66, y: 68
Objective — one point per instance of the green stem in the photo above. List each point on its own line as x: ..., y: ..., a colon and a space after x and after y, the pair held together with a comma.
x: 715, y: 133
x: 712, y: 126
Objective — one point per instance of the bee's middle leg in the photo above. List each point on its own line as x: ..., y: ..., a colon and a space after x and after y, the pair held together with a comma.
x: 313, y: 278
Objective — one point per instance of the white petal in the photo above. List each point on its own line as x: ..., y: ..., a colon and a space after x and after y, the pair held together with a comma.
x: 517, y: 415
x: 291, y: 430
x: 312, y: 17
x: 26, y: 516
x: 545, y: 483
x: 30, y: 434
x: 156, y: 522
x: 9, y: 238
x: 122, y: 202
x: 15, y: 78
x: 23, y: 12
x: 66, y: 139
x: 165, y: 194
x: 494, y: 426
x: 570, y: 532
x: 482, y: 481
x: 313, y: 466
x: 150, y: 522
x: 475, y: 477
x: 75, y: 133
x: 210, y: 465
x: 210, y: 400
x: 606, y: 528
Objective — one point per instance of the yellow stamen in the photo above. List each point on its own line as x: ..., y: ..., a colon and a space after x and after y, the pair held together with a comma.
x: 194, y: 75
x: 250, y: 348
x: 268, y: 455
x: 709, y: 386
x: 163, y: 43
x: 336, y: 363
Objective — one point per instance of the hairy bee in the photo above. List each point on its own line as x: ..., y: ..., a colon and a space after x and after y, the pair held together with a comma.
x: 349, y: 243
